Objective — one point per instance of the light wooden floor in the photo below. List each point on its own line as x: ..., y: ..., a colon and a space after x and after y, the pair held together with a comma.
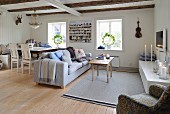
x: 20, y: 95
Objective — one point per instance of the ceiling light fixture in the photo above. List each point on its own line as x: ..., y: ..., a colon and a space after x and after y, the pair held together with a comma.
x: 34, y: 24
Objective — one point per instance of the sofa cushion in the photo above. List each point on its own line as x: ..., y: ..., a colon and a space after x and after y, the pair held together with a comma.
x: 72, y: 52
x: 53, y: 56
x: 59, y: 54
x: 84, y: 62
x: 67, y: 59
x: 66, y: 53
x: 75, y: 66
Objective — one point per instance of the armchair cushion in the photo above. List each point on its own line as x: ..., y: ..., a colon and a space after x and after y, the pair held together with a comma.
x: 145, y: 99
x: 156, y: 90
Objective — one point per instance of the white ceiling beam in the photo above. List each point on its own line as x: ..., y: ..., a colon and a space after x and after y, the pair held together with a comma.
x: 58, y: 4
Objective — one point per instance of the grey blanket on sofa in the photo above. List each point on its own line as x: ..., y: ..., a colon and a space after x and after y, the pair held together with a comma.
x: 46, y: 70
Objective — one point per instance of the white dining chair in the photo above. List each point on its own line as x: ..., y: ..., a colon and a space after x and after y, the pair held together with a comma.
x: 26, y: 57
x: 14, y: 55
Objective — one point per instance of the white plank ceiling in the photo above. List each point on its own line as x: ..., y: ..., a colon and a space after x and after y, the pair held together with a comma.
x: 92, y: 7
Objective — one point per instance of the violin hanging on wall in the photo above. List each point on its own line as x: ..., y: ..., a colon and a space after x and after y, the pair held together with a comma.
x: 138, y: 31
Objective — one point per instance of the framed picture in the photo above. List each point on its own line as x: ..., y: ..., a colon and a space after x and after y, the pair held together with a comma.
x: 80, y: 31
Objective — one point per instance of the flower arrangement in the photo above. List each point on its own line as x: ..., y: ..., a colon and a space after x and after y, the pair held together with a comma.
x: 108, y: 39
x: 31, y: 41
x: 58, y: 39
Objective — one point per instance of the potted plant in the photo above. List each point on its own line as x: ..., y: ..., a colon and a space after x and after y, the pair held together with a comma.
x: 58, y: 39
x: 108, y: 40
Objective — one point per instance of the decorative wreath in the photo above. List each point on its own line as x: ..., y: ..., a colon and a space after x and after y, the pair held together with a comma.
x: 108, y: 39
x: 58, y: 39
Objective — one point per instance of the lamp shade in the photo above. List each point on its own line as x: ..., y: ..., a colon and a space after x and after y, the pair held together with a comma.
x: 34, y: 24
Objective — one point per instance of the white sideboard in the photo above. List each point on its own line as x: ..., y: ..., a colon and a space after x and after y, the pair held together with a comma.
x: 149, y: 77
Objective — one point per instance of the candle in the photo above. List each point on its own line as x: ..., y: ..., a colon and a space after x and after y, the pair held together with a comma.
x: 164, y: 69
x: 151, y: 52
x: 145, y: 52
x: 160, y: 68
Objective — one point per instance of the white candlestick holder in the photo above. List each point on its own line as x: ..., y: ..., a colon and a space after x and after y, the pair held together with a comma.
x: 164, y: 73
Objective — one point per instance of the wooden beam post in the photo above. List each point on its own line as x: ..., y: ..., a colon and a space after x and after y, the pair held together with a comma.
x: 5, y: 2
x: 58, y: 4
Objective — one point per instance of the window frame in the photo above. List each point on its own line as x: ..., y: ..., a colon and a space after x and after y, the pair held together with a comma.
x: 58, y: 21
x: 110, y: 18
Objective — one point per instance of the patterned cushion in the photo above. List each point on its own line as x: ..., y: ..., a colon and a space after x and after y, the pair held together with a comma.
x: 79, y: 53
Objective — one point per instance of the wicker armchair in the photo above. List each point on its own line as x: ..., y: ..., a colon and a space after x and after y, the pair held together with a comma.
x: 156, y: 102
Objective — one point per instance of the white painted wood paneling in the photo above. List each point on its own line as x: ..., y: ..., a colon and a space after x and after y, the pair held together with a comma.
x: 12, y: 33
x: 131, y: 46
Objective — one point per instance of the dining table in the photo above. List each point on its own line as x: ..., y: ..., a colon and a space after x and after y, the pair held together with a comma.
x: 40, y: 50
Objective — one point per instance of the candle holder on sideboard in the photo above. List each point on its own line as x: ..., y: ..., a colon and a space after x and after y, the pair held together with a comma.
x: 156, y: 66
x: 163, y: 71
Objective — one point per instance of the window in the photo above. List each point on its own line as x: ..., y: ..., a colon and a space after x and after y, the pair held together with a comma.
x: 57, y: 28
x: 111, y: 26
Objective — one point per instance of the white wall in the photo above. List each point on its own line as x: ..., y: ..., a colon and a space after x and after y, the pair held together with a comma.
x: 162, y: 18
x: 12, y: 33
x: 131, y: 46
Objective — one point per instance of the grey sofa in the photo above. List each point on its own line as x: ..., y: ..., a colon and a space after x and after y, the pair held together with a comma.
x: 64, y: 73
